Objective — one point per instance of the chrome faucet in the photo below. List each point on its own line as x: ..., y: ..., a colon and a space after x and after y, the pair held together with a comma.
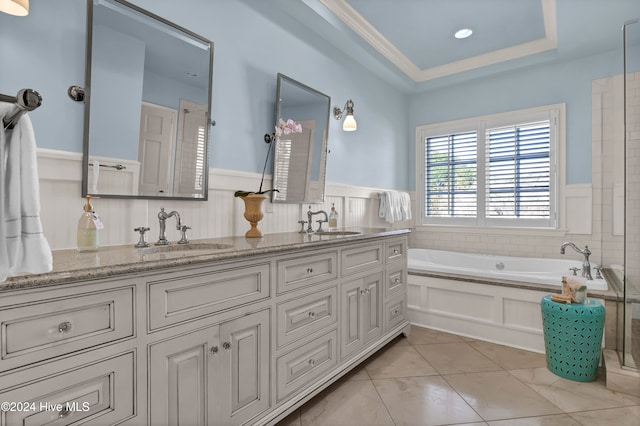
x: 162, y: 218
x: 310, y: 215
x: 586, y: 266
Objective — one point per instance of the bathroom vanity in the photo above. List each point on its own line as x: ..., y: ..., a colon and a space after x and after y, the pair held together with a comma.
x: 228, y: 331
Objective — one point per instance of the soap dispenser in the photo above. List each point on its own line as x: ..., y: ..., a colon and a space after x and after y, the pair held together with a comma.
x: 333, y: 218
x: 89, y: 226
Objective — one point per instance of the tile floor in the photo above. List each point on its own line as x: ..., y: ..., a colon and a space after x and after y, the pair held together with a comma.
x: 435, y: 378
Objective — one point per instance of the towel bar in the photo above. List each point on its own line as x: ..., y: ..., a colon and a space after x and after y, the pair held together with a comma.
x: 26, y: 100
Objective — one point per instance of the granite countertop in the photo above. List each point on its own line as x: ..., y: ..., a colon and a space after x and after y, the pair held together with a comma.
x: 71, y: 266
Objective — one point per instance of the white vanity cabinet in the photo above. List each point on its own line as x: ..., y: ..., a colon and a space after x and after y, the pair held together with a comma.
x: 68, y: 354
x: 216, y: 375
x: 243, y: 338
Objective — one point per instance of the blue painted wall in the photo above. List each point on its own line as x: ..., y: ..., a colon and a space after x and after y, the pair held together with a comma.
x: 46, y: 51
x: 568, y: 82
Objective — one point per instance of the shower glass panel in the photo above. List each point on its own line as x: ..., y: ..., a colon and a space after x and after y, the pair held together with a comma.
x: 631, y: 307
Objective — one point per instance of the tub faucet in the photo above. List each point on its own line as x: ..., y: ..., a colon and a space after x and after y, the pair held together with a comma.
x: 586, y: 266
x: 162, y: 218
x: 310, y: 215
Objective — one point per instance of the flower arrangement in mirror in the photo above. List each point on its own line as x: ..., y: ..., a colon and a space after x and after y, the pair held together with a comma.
x: 283, y: 128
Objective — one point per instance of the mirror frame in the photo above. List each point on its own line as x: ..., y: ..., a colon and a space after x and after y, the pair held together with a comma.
x: 87, y: 109
x: 323, y: 153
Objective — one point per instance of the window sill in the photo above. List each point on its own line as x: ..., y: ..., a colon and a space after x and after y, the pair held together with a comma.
x: 502, y: 230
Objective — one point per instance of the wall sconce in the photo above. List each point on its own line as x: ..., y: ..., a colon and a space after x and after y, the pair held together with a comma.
x: 349, y: 124
x: 15, y: 7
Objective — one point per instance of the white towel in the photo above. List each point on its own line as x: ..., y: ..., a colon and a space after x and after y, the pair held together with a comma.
x: 395, y: 206
x: 23, y: 247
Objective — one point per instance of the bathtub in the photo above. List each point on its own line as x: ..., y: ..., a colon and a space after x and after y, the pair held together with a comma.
x: 507, y: 268
x: 485, y: 297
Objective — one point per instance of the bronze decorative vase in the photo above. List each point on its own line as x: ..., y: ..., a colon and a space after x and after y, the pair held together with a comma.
x: 253, y: 213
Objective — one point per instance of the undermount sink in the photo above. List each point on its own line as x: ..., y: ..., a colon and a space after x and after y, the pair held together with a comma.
x: 338, y: 233
x: 185, y: 248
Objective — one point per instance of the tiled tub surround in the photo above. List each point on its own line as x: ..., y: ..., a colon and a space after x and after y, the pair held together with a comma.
x: 240, y: 335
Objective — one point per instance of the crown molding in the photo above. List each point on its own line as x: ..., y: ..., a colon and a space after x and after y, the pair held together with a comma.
x: 347, y: 14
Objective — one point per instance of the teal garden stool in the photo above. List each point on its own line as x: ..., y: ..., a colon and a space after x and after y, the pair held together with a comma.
x: 573, y: 338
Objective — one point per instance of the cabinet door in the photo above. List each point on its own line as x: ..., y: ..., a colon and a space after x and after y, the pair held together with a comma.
x: 244, y: 368
x: 180, y: 379
x: 361, y: 312
x: 351, y: 314
x: 372, y: 307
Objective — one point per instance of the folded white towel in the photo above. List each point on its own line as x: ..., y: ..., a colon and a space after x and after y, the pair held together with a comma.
x: 23, y: 247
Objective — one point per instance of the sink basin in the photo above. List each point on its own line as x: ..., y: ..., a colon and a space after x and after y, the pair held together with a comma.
x: 338, y: 233
x: 184, y: 248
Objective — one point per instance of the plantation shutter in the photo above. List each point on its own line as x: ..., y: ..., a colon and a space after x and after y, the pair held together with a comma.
x: 518, y: 171
x: 451, y: 175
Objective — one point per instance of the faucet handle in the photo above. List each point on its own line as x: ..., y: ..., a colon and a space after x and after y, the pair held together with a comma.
x: 598, y: 274
x: 575, y: 270
x: 302, y: 230
x: 141, y: 241
x: 183, y: 239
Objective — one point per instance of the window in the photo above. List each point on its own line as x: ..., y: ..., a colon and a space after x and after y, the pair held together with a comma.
x: 491, y: 171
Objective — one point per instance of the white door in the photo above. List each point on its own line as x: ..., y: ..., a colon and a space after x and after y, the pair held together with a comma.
x: 191, y: 149
x: 155, y: 149
x: 293, y: 162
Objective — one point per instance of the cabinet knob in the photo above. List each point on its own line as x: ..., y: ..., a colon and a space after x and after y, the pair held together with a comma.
x: 397, y: 280
x: 214, y: 350
x: 226, y: 345
x: 312, y: 314
x: 309, y: 271
x: 396, y: 251
x: 64, y: 327
x: 312, y: 362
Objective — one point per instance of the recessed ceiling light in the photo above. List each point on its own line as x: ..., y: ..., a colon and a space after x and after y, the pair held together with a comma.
x: 463, y: 33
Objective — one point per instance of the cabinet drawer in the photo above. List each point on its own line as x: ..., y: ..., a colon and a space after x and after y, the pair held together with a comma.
x: 55, y: 327
x: 301, y: 366
x: 178, y: 297
x: 302, y: 316
x: 396, y: 279
x: 100, y: 393
x: 359, y: 259
x: 395, y: 312
x: 308, y: 270
x: 395, y: 250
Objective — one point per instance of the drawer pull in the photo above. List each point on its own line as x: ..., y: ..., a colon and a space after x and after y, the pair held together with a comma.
x: 397, y: 281
x: 64, y: 412
x: 226, y: 345
x: 396, y: 251
x: 312, y: 362
x: 214, y: 350
x: 64, y: 327
x: 312, y: 314
x: 309, y: 271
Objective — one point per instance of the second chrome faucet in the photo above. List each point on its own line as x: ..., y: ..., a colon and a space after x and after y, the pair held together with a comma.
x: 310, y: 215
x: 162, y: 219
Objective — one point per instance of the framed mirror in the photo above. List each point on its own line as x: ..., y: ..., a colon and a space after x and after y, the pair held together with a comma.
x: 300, y: 158
x: 147, y: 105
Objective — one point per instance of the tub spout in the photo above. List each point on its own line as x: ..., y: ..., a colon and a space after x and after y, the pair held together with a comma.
x: 586, y: 266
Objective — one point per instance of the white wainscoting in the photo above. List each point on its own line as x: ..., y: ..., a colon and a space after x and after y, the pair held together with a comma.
x: 60, y: 175
x: 504, y: 315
